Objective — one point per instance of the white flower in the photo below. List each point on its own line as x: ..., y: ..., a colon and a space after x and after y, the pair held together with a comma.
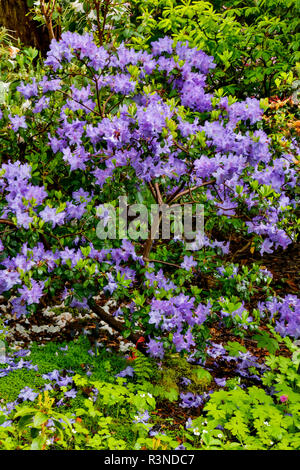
x: 26, y: 105
x: 220, y: 436
x: 78, y: 6
x: 92, y: 15
x: 125, y: 347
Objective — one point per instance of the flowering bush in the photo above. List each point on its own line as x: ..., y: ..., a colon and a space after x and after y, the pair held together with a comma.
x: 101, y: 123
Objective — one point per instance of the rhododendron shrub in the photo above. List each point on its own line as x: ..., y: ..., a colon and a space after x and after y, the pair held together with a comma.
x: 113, y: 123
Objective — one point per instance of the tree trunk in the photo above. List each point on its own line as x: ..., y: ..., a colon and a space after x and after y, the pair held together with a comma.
x: 14, y: 17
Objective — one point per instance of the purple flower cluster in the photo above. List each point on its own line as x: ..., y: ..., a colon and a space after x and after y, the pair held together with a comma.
x: 23, y: 201
x: 17, y: 122
x: 246, y: 364
x: 142, y: 417
x: 158, y: 280
x: 191, y: 400
x: 177, y: 315
x: 127, y: 372
x: 12, y: 364
x: 286, y: 313
x: 59, y: 379
x: 27, y: 393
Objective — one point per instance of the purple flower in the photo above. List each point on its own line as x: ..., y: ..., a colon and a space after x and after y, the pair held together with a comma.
x: 41, y: 104
x: 71, y: 393
x: 249, y: 109
x: 122, y: 83
x: 202, y: 312
x: 220, y: 382
x: 190, y: 400
x: 7, y: 423
x: 49, y: 214
x: 155, y: 348
x: 266, y: 246
x: 28, y: 90
x: 64, y: 381
x: 189, y: 423
x: 188, y: 263
x: 286, y: 312
x: 104, y: 214
x: 185, y: 381
x: 48, y: 387
x: 54, y: 375
x: 50, y: 85
x: 33, y: 294
x: 142, y: 417
x: 162, y: 45
x: 17, y: 122
x: 18, y: 307
x: 27, y: 394
x: 128, y: 372
x: 112, y: 284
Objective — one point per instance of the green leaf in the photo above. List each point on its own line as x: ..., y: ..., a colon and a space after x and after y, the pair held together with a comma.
x: 237, y: 426
x: 126, y: 333
x: 40, y: 419
x: 171, y: 394
x: 34, y: 432
x: 234, y: 348
x: 266, y: 342
x: 24, y: 421
x: 37, y: 443
x: 2, y: 419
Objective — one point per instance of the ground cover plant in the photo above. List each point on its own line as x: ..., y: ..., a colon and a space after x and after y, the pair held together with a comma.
x: 158, y: 343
